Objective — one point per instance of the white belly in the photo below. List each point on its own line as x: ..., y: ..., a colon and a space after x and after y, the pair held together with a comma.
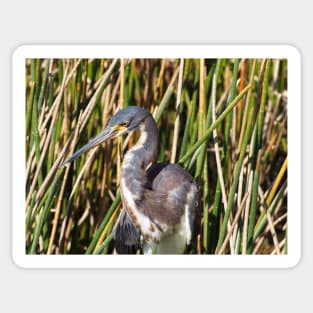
x: 172, y: 242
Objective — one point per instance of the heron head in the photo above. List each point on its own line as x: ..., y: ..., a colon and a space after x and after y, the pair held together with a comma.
x: 123, y: 121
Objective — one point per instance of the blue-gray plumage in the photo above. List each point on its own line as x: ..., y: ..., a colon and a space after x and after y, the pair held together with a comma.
x: 159, y: 200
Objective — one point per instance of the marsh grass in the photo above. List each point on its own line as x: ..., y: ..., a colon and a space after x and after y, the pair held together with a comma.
x: 223, y: 120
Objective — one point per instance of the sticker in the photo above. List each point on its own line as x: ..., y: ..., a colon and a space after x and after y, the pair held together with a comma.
x: 156, y: 156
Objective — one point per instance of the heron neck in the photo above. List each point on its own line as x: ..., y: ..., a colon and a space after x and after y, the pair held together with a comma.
x: 146, y: 149
x: 136, y: 160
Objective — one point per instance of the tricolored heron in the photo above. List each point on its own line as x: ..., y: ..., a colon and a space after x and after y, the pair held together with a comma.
x: 159, y: 202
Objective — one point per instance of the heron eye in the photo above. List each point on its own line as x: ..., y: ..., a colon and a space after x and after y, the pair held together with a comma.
x: 125, y: 124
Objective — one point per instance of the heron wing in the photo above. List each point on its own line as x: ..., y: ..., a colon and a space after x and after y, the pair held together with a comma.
x: 170, y: 193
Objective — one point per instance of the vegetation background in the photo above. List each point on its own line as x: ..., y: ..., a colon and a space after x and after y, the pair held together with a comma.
x: 224, y: 120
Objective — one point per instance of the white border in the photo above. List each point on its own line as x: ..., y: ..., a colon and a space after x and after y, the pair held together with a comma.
x: 156, y: 261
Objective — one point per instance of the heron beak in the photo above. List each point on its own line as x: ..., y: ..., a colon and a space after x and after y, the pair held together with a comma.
x: 106, y: 134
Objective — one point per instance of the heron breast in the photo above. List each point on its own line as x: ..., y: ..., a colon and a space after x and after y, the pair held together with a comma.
x: 149, y: 230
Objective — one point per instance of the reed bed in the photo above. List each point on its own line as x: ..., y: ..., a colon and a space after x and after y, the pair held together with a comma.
x: 224, y: 120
